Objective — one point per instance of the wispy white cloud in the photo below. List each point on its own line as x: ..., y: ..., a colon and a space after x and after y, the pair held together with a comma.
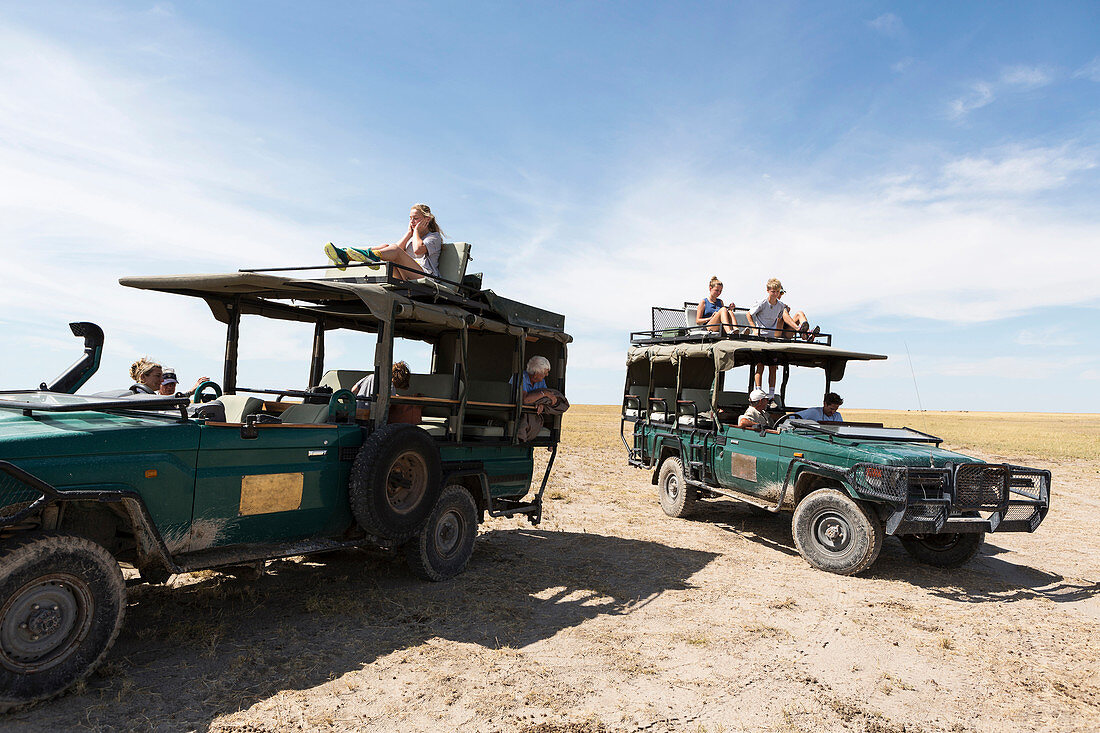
x: 1016, y: 171
x: 1091, y: 374
x: 1010, y: 171
x: 887, y: 24
x: 837, y: 252
x: 902, y: 65
x: 1090, y: 71
x: 980, y: 95
x: 1046, y: 337
x: 105, y: 173
x: 1027, y: 77
x: 1018, y: 78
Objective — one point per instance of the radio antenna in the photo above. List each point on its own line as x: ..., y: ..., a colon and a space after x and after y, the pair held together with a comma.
x: 914, y: 373
x: 920, y: 406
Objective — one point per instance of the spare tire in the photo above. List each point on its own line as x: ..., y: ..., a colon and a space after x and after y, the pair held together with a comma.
x: 395, y: 481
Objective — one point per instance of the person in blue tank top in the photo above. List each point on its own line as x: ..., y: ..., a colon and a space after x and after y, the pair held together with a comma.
x: 712, y: 313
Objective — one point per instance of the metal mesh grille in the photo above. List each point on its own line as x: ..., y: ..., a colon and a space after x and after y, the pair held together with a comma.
x: 1016, y: 513
x: 923, y: 513
x: 15, y: 496
x: 671, y: 320
x: 880, y: 482
x: 1029, y: 483
x: 927, y: 483
x: 979, y: 486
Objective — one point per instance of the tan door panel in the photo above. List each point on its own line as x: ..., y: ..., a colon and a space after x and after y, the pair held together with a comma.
x: 271, y: 492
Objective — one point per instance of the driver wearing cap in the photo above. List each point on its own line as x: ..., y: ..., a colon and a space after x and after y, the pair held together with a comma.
x: 169, y: 383
x: 756, y: 416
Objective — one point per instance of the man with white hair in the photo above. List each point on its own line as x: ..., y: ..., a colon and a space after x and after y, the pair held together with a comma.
x: 533, y: 384
x: 756, y: 416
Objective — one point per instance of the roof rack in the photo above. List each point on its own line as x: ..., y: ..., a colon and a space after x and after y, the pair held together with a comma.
x: 351, y: 301
x: 671, y: 326
x: 464, y: 293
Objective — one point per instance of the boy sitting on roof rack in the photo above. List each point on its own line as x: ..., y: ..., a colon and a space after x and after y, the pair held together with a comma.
x: 416, y: 254
x: 772, y: 317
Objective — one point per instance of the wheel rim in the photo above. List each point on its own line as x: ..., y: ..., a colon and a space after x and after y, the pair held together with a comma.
x: 832, y: 531
x: 44, y: 622
x: 448, y: 533
x: 672, y: 487
x: 407, y: 482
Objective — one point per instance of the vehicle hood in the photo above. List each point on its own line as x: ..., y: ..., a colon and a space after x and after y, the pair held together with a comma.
x: 903, y: 454
x: 91, y: 433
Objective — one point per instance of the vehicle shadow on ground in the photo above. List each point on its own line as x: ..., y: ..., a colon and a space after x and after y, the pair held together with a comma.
x: 191, y: 653
x: 987, y: 578
x: 753, y: 524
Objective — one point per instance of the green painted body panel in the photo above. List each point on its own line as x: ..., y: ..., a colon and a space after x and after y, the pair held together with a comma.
x: 773, y: 453
x: 89, y: 451
x: 508, y: 468
x: 194, y: 496
x: 225, y: 457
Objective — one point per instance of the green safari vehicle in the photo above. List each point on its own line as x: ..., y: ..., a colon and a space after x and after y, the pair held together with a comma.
x: 89, y: 482
x: 847, y: 484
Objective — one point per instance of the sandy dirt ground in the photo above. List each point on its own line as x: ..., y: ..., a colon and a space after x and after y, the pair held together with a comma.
x: 610, y: 616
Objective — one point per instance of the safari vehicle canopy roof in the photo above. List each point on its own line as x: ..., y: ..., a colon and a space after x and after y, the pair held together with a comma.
x: 355, y: 305
x: 728, y: 354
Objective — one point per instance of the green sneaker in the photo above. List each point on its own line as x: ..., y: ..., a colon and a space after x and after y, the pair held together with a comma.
x: 364, y: 255
x: 338, y: 255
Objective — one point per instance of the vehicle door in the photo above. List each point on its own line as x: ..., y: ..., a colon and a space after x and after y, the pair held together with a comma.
x: 748, y: 461
x: 274, y: 483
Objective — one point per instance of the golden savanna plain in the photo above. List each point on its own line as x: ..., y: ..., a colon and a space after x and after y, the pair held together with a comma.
x: 610, y: 616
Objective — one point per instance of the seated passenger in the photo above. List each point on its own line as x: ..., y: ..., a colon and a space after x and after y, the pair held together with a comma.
x: 169, y: 383
x: 755, y: 416
x: 826, y: 413
x: 418, y: 250
x: 712, y: 313
x: 773, y: 317
x: 399, y: 379
x: 147, y: 376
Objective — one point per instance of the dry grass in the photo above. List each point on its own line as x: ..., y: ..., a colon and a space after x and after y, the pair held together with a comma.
x: 1044, y: 435
x: 1016, y: 434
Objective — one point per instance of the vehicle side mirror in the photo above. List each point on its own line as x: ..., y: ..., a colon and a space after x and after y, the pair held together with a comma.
x: 248, y: 430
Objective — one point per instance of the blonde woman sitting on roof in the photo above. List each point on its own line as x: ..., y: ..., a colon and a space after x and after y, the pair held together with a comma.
x: 712, y: 313
x: 418, y: 250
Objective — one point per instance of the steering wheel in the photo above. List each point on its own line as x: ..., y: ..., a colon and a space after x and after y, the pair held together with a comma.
x: 342, y: 404
x: 784, y: 419
x: 200, y: 397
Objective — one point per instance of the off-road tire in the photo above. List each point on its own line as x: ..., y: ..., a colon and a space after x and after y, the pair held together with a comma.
x: 443, y: 546
x: 677, y: 497
x: 834, y: 533
x: 395, y: 481
x: 950, y: 550
x: 62, y: 599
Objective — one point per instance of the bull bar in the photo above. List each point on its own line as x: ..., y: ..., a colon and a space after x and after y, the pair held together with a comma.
x: 951, y: 499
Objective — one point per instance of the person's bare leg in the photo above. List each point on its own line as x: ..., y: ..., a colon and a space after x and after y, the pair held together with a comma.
x: 715, y: 321
x: 772, y: 369
x: 398, y: 256
x: 759, y: 374
x: 727, y: 322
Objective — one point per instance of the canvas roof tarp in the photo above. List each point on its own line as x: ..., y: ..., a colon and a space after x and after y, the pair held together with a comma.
x: 337, y: 300
x: 731, y: 353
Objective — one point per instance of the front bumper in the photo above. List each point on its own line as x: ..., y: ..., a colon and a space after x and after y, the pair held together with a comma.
x: 970, y: 497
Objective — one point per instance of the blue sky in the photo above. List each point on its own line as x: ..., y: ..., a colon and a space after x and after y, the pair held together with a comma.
x: 922, y: 179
